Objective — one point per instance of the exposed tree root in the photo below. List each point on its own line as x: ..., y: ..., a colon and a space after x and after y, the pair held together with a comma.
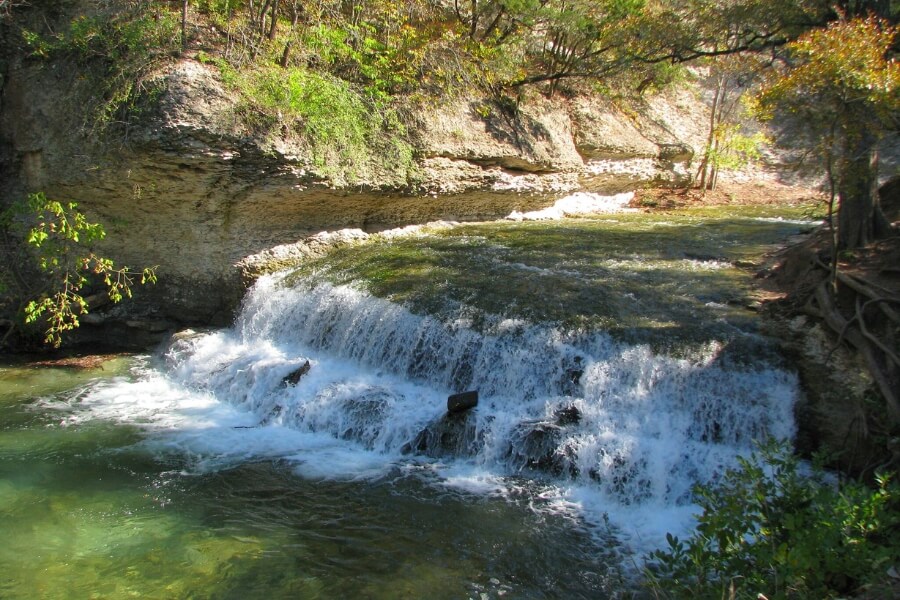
x: 872, y: 333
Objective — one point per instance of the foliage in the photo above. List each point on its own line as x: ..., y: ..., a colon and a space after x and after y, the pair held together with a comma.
x: 841, y: 71
x: 59, y: 242
x: 840, y: 95
x: 767, y: 528
x: 343, y: 127
x: 128, y: 41
x: 734, y: 149
x: 392, y: 47
x: 579, y: 39
x: 687, y: 30
x: 384, y: 66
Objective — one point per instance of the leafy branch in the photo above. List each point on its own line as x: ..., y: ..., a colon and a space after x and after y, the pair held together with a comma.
x: 58, y: 244
x: 771, y: 529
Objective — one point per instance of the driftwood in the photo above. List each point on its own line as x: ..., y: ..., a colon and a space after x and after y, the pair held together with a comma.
x: 873, y: 336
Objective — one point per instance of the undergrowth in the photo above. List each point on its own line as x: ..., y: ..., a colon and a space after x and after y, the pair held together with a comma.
x: 117, y: 49
x: 351, y: 136
x: 770, y: 530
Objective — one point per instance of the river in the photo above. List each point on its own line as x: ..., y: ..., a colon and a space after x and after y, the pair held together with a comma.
x: 617, y: 364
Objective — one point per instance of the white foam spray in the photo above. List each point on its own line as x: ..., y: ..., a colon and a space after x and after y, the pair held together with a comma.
x: 579, y: 203
x: 604, y: 427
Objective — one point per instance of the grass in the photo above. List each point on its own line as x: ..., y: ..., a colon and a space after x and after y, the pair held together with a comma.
x: 351, y: 138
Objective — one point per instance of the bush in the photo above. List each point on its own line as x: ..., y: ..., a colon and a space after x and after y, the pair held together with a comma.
x: 345, y: 130
x: 767, y: 528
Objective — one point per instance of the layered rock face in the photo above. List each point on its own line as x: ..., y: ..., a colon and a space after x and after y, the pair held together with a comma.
x: 187, y: 189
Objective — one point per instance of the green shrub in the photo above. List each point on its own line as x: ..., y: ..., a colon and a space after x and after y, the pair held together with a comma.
x: 345, y: 129
x: 767, y: 528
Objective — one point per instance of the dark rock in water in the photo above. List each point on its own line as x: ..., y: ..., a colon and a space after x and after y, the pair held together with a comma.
x: 363, y: 416
x: 571, y: 380
x: 568, y: 415
x: 460, y: 402
x: 541, y: 446
x: 452, y: 435
x: 293, y: 378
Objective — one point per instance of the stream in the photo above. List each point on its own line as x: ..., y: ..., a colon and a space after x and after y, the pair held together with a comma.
x: 307, y: 452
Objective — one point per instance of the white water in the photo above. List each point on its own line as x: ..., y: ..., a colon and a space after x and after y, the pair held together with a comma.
x: 577, y: 204
x: 650, y: 426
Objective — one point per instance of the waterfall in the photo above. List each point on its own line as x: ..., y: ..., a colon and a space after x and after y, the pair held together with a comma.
x: 605, y: 428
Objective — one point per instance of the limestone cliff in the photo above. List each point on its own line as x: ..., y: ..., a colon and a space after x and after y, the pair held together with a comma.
x: 185, y: 187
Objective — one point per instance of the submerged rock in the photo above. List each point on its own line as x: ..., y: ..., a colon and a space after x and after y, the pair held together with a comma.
x: 181, y: 345
x: 293, y: 378
x: 541, y: 446
x: 454, y: 434
x: 363, y: 417
x: 571, y: 380
x: 567, y: 415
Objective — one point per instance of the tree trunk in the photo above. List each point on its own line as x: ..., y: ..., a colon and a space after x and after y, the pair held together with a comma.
x: 860, y: 219
x: 184, y: 10
x: 274, y: 25
x: 707, y: 163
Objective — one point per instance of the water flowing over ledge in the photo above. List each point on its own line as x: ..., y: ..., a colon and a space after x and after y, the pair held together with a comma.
x: 579, y: 203
x: 597, y: 427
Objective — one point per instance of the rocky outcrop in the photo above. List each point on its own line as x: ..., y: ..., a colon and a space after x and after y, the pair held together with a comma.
x: 187, y: 188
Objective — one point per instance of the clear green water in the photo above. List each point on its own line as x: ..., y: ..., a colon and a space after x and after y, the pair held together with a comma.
x: 86, y: 511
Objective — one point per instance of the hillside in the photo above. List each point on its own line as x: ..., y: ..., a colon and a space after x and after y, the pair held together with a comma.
x: 189, y: 174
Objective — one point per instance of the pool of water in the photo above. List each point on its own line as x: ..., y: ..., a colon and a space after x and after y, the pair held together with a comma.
x: 90, y: 510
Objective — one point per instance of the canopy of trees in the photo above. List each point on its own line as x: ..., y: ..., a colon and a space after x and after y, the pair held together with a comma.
x: 841, y: 92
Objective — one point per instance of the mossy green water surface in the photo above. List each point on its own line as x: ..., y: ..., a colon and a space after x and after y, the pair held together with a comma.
x: 663, y: 278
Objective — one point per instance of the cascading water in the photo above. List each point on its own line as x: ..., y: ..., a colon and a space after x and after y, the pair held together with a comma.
x: 579, y: 419
x: 307, y: 451
x: 598, y: 426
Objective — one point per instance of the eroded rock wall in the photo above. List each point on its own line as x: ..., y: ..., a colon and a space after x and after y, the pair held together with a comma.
x: 188, y: 189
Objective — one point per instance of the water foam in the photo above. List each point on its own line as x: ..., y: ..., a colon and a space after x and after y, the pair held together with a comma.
x: 603, y: 427
x: 579, y: 203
